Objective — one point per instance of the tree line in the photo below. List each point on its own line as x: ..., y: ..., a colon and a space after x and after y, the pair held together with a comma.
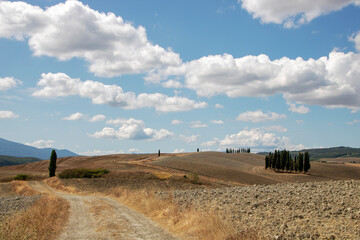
x: 282, y: 160
x: 239, y: 150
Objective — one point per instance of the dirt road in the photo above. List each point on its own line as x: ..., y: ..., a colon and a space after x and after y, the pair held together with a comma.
x: 97, y: 217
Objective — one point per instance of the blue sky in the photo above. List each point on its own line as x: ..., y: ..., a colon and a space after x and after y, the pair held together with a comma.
x: 101, y: 77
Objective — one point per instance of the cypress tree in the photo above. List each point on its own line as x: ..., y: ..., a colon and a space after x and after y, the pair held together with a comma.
x: 52, y: 164
x: 283, y: 160
x: 296, y: 167
x: 266, y: 162
x: 301, y: 162
x: 159, y: 153
x: 306, y: 162
x: 197, y: 150
x: 291, y: 167
x: 274, y: 160
x: 278, y: 161
x: 287, y: 161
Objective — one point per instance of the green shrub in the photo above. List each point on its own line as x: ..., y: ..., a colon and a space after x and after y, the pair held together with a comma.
x: 83, y: 173
x: 22, y: 177
x: 194, y: 177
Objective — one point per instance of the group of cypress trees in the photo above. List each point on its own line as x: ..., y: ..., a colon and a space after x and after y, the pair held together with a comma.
x: 239, y: 150
x: 282, y: 160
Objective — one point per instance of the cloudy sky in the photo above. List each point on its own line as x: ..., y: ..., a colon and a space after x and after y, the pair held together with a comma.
x: 113, y: 76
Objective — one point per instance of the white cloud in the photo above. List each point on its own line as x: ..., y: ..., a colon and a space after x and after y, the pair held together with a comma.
x: 259, y: 138
x: 274, y: 128
x: 219, y: 105
x: 110, y: 45
x: 300, y: 121
x: 298, y: 109
x: 8, y: 82
x: 259, y: 116
x: 179, y: 150
x: 172, y: 84
x: 96, y: 152
x: 356, y: 121
x: 97, y: 118
x: 292, y: 13
x: 42, y: 143
x: 217, y: 122
x: 356, y: 39
x: 189, y: 139
x: 75, y: 117
x: 131, y: 129
x: 8, y: 115
x: 328, y: 81
x: 133, y: 150
x: 175, y: 122
x: 197, y: 124
x: 52, y: 85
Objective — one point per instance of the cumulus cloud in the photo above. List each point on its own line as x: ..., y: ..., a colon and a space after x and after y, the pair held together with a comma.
x: 260, y: 138
x: 8, y: 82
x: 52, y: 85
x: 75, y: 117
x: 42, y: 143
x: 176, y: 122
x: 97, y: 152
x: 181, y: 150
x: 189, y: 139
x: 297, y: 109
x: 110, y: 45
x: 97, y: 118
x: 8, y: 115
x: 131, y: 129
x: 328, y: 81
x: 134, y: 150
x: 259, y: 116
x: 274, y: 128
x: 197, y: 124
x: 356, y: 39
x: 172, y: 84
x: 217, y: 122
x: 292, y: 13
x: 219, y: 105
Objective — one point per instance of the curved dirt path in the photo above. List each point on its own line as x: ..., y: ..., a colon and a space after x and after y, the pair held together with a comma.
x: 95, y: 217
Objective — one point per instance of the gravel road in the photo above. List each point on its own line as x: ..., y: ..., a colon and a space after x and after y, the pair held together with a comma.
x: 97, y: 217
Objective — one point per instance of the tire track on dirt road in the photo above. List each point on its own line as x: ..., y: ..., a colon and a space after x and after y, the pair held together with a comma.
x: 98, y: 217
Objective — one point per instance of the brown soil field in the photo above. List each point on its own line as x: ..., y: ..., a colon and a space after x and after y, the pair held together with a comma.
x: 247, y: 168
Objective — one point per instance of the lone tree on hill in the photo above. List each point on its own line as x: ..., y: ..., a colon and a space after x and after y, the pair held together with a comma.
x: 52, y: 164
x: 159, y: 153
x: 301, y: 162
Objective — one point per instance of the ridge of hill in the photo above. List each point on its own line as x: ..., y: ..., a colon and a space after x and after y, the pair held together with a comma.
x: 333, y: 152
x: 14, y: 149
x: 8, y: 161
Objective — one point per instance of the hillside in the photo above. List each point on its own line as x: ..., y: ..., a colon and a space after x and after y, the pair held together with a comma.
x: 8, y: 161
x: 213, y: 167
x: 247, y: 168
x: 14, y: 149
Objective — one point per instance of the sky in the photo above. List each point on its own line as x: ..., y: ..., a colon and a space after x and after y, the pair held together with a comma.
x: 116, y: 76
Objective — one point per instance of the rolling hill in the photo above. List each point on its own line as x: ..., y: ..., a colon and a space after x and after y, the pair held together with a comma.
x: 8, y: 161
x: 14, y: 149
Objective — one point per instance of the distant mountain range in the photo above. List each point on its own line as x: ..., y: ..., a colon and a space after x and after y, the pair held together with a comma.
x: 334, y: 152
x: 14, y: 149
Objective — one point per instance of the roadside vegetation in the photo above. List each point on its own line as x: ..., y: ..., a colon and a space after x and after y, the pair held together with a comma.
x: 36, y: 221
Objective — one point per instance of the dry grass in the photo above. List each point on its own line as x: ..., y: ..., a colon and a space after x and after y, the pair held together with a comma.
x: 162, y: 175
x: 23, y: 188
x: 56, y: 183
x: 186, y: 223
x: 43, y: 220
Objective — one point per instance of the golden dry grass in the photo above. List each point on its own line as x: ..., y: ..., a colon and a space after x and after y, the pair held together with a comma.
x: 185, y: 223
x: 23, y: 188
x: 162, y: 175
x: 56, y: 183
x: 43, y: 220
